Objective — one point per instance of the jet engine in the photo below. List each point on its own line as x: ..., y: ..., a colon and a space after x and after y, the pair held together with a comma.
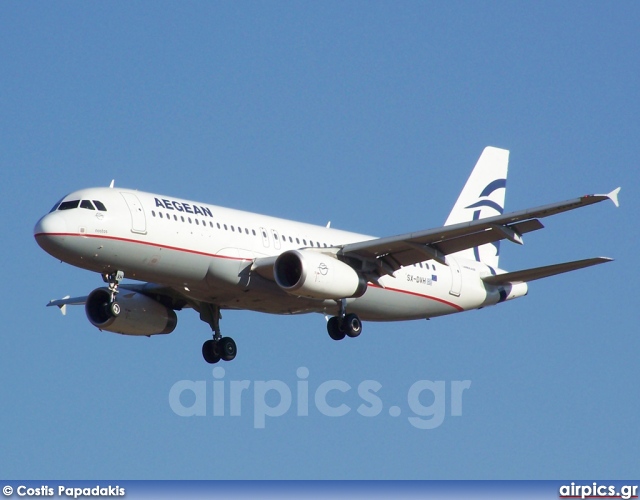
x: 132, y: 314
x: 317, y: 275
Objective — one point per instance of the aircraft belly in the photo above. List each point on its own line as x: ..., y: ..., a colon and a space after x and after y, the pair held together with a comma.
x: 380, y: 304
x: 231, y: 284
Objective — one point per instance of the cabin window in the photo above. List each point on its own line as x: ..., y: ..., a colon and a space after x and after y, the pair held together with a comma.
x: 68, y: 205
x: 153, y: 212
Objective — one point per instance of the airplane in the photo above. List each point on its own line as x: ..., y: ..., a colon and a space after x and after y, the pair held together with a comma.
x: 187, y: 254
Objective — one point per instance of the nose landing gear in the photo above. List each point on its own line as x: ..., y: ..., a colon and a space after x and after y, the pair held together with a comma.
x: 113, y: 279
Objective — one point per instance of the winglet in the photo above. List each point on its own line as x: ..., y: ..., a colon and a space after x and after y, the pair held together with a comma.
x: 613, y: 196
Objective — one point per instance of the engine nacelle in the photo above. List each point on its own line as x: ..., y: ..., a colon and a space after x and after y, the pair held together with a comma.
x: 139, y: 314
x: 317, y: 275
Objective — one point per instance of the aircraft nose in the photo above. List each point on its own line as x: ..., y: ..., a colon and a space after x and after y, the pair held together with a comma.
x: 49, y: 229
x: 50, y: 224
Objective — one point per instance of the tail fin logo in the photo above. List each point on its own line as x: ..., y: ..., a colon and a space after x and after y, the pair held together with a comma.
x: 482, y: 196
x: 486, y: 193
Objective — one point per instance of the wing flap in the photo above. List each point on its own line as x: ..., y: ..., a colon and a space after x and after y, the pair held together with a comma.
x: 490, y: 235
x: 536, y: 273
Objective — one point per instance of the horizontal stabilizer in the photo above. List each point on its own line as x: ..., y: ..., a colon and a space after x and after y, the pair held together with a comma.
x: 536, y: 273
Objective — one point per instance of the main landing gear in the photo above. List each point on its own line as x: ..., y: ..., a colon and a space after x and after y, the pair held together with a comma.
x: 344, y: 325
x: 218, y: 347
x: 113, y: 279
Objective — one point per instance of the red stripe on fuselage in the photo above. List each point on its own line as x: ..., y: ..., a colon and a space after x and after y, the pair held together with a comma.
x: 421, y: 295
x: 129, y: 240
x: 197, y: 252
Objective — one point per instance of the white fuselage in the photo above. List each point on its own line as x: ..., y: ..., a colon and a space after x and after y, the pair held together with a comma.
x: 206, y: 253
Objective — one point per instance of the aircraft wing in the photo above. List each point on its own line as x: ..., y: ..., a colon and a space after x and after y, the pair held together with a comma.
x: 67, y: 301
x: 163, y: 294
x: 386, y: 255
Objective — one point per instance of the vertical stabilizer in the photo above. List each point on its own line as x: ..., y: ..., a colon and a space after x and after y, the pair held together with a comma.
x: 481, y: 197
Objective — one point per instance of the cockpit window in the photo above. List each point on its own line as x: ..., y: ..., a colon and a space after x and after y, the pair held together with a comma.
x: 68, y: 205
x: 100, y: 206
x: 87, y: 204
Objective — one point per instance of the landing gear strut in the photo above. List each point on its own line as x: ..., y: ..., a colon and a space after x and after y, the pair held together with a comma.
x: 113, y: 279
x: 344, y: 324
x: 218, y: 347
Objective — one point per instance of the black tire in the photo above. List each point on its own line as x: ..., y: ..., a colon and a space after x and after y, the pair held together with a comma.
x: 210, y: 352
x: 114, y: 309
x: 227, y: 348
x: 333, y: 327
x: 352, y: 325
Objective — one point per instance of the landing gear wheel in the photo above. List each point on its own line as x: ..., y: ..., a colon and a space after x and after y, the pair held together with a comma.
x: 333, y: 327
x: 210, y: 351
x: 351, y: 325
x: 227, y: 348
x: 114, y: 309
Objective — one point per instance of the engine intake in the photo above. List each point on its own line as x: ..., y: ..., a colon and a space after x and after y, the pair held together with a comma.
x: 139, y: 314
x: 317, y: 275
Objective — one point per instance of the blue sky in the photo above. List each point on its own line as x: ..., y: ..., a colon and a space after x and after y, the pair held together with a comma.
x: 368, y: 114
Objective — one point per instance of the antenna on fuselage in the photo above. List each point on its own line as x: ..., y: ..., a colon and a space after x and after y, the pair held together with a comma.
x: 329, y: 224
x: 112, y: 182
